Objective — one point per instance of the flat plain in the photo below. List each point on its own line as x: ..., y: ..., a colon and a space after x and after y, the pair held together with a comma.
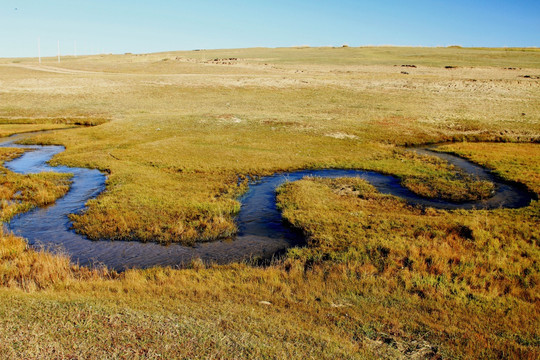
x: 377, y: 279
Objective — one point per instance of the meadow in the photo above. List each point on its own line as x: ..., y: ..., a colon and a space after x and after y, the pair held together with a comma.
x: 378, y: 279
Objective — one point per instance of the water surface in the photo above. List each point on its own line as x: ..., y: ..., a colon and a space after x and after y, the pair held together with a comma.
x: 261, y: 235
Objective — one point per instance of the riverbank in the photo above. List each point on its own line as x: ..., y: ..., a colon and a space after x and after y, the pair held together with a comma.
x: 190, y: 127
x: 353, y: 292
x: 262, y: 234
x: 398, y: 281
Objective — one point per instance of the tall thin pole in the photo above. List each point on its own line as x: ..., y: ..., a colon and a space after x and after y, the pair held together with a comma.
x: 39, y: 49
x: 58, y: 47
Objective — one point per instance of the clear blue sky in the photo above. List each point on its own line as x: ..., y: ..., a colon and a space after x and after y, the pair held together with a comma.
x: 118, y: 26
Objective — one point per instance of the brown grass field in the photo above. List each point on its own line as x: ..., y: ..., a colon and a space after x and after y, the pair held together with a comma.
x: 378, y: 278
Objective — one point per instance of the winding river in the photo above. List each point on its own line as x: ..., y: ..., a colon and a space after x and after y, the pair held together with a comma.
x: 261, y: 234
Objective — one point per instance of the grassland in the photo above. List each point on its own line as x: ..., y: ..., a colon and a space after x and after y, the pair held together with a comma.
x: 379, y: 279
x: 473, y: 262
x: 186, y: 124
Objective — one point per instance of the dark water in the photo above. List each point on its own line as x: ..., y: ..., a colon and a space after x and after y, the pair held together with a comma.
x: 261, y: 231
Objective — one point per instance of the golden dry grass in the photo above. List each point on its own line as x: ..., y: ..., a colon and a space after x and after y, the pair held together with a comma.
x: 27, y: 269
x: 511, y: 161
x: 379, y: 279
x: 188, y: 125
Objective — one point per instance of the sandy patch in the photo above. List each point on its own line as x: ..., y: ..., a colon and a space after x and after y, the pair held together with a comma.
x: 341, y: 135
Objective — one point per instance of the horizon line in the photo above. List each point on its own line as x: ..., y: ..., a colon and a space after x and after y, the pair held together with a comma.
x: 344, y: 46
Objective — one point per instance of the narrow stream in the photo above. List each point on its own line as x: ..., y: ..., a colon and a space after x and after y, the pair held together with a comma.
x: 261, y: 231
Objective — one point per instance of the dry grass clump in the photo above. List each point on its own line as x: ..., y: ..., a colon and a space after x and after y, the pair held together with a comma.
x: 165, y: 218
x: 72, y: 120
x: 107, y: 224
x: 518, y: 162
x: 432, y: 177
x: 19, y: 193
x: 456, y: 190
x: 10, y: 125
x: 29, y: 269
x: 9, y: 129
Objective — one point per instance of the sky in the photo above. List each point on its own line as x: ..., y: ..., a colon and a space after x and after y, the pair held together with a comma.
x: 143, y: 26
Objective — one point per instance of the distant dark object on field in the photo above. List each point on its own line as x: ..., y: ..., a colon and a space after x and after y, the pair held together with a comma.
x: 224, y: 61
x: 530, y: 76
x: 404, y: 72
x: 450, y: 67
x: 407, y: 65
